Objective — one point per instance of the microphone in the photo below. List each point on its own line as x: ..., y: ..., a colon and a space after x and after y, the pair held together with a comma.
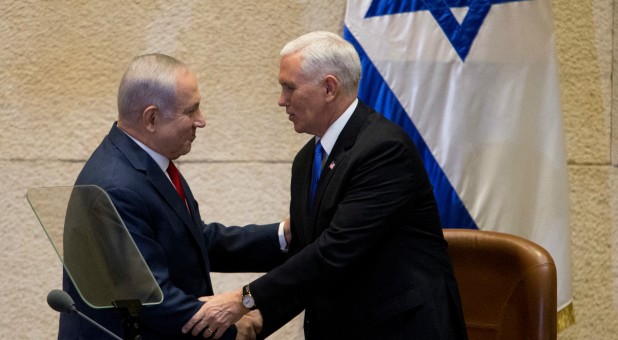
x: 62, y: 302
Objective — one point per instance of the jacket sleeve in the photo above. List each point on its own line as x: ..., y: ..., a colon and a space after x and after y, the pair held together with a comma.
x: 252, y: 248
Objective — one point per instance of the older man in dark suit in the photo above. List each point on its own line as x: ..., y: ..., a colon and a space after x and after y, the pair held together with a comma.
x: 159, y: 113
x: 369, y: 260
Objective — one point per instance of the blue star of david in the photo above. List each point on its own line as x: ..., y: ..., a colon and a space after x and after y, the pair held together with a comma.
x: 461, y: 35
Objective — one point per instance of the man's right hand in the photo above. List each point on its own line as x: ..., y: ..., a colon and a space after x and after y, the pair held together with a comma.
x: 217, y: 314
x: 249, y: 326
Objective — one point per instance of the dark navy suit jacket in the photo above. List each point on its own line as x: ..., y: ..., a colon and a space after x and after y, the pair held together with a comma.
x: 178, y: 247
x: 369, y: 260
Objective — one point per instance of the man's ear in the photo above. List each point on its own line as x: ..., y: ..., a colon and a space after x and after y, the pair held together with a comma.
x: 331, y: 86
x: 150, y: 117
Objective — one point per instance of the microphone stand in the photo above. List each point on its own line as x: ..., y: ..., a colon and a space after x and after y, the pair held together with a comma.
x: 105, y: 330
x: 130, y: 322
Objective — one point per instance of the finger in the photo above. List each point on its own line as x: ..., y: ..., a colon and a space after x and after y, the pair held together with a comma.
x: 189, y: 325
x: 204, y: 298
x: 209, y: 333
x: 199, y: 327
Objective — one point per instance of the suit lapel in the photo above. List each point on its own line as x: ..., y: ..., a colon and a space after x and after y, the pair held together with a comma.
x: 301, y: 185
x: 344, y: 142
x: 160, y: 181
x: 141, y: 161
x: 192, y: 204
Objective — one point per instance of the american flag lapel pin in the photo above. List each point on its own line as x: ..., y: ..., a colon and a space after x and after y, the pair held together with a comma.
x: 332, y: 165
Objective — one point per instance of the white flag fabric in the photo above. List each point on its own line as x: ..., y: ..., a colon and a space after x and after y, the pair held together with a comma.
x: 475, y: 84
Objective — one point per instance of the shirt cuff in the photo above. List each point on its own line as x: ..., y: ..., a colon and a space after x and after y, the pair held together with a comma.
x: 283, y: 245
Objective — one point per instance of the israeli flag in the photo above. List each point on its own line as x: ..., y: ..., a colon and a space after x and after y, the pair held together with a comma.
x: 475, y: 84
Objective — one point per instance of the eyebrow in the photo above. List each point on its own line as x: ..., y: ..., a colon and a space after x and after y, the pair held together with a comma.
x: 193, y: 107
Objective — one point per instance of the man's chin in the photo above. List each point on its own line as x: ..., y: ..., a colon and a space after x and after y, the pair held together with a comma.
x: 299, y: 129
x: 182, y: 153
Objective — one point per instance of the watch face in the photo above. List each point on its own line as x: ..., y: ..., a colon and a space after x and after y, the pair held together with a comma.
x: 247, y: 301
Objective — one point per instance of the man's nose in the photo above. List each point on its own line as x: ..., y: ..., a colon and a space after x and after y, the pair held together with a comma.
x: 282, y: 100
x: 200, y: 121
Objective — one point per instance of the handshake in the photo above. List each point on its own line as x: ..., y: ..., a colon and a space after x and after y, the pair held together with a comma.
x: 219, y: 312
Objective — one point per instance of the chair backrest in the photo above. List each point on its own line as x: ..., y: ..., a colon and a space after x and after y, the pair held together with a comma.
x: 507, y: 285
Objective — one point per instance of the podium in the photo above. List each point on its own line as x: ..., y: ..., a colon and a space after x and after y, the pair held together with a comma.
x: 96, y: 250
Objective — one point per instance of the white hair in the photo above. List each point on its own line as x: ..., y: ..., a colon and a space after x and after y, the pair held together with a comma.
x: 325, y: 53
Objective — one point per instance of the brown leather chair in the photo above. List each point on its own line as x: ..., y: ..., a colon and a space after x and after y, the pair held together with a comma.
x: 507, y: 285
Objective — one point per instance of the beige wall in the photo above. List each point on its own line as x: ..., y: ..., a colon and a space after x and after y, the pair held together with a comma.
x: 60, y: 66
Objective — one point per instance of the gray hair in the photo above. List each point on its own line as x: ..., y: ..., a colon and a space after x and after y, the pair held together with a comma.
x: 325, y: 53
x: 149, y: 80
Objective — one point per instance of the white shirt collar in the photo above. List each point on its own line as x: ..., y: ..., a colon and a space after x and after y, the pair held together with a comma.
x: 162, y: 161
x: 333, y: 131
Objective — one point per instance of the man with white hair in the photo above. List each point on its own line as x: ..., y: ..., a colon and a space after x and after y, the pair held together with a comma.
x: 368, y: 257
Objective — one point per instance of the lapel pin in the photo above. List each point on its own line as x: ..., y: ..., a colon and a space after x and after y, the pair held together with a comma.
x: 332, y: 165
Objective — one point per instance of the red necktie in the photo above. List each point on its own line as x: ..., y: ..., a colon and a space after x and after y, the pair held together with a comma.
x: 175, y: 177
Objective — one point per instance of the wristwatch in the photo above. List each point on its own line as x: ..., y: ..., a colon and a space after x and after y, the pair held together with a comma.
x: 247, y: 298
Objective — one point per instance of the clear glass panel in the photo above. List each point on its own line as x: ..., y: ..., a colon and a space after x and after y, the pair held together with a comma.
x: 94, y: 245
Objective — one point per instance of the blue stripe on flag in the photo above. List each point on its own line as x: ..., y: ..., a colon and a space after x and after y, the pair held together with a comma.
x: 375, y: 92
